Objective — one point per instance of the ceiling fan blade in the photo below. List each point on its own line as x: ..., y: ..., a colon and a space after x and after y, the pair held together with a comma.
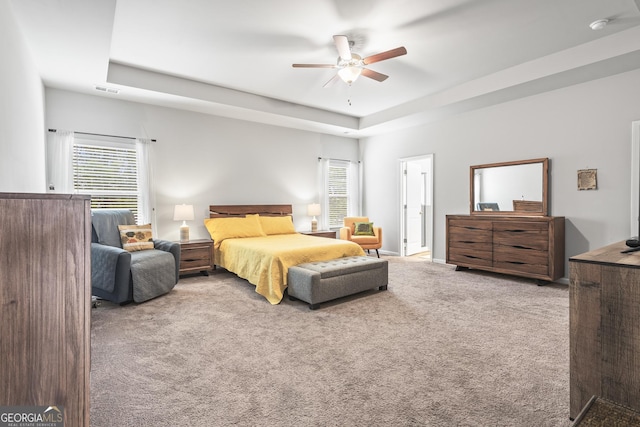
x: 384, y: 55
x: 374, y: 75
x: 332, y: 81
x: 342, y: 44
x: 314, y: 65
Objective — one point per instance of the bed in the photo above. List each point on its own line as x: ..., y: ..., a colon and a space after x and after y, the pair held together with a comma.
x: 259, y: 243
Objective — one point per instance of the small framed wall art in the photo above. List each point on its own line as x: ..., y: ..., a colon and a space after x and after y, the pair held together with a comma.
x: 588, y: 179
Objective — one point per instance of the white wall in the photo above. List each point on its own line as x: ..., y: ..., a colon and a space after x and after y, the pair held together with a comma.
x: 201, y: 159
x: 22, y: 156
x: 578, y: 127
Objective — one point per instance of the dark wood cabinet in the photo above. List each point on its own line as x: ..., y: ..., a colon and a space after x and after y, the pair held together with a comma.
x: 523, y: 246
x: 45, y: 302
x: 604, y: 325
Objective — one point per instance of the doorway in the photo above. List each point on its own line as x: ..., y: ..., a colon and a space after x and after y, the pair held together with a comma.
x: 416, y: 216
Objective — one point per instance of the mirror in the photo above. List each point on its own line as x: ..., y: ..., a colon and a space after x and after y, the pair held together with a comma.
x: 510, y: 188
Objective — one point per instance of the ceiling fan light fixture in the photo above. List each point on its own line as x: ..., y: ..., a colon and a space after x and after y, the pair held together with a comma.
x: 351, y: 65
x: 350, y: 74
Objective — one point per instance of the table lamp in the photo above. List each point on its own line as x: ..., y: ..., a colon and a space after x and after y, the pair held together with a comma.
x: 314, y: 210
x: 183, y: 213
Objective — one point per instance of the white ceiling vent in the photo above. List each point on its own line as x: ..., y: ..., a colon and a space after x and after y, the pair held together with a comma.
x: 107, y: 89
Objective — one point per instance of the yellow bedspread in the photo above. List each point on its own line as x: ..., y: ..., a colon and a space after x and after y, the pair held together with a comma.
x: 264, y: 261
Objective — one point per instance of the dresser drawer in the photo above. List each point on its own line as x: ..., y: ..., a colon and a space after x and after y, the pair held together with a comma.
x: 470, y: 257
x: 471, y: 225
x: 469, y: 243
x: 521, y: 246
x: 526, y: 235
x: 463, y: 233
x: 195, y: 257
x: 521, y: 259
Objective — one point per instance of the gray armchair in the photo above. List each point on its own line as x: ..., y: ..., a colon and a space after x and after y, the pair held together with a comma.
x: 120, y: 276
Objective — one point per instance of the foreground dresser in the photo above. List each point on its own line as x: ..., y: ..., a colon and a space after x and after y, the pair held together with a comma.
x: 528, y: 246
x: 604, y: 319
x: 45, y: 300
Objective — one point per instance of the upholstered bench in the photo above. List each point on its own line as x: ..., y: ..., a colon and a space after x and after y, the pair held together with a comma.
x: 322, y: 281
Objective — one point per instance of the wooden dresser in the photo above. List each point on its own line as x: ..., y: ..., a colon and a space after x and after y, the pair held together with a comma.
x: 45, y: 303
x: 604, y: 327
x: 528, y: 246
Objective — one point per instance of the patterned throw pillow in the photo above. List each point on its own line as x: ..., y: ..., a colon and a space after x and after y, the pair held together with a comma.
x: 136, y: 237
x: 363, y: 229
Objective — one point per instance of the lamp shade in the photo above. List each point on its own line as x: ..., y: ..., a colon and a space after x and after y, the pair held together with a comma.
x: 313, y: 209
x: 183, y: 213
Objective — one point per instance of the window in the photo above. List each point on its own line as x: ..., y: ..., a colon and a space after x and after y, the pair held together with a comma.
x: 339, y: 192
x: 108, y: 173
x: 114, y: 171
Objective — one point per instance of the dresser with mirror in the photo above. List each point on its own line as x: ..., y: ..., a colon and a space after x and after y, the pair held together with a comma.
x: 508, y: 229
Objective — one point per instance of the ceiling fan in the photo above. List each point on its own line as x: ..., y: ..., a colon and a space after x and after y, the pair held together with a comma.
x: 351, y: 65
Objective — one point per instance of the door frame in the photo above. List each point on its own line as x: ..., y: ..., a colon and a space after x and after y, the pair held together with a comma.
x: 402, y: 235
x: 634, y: 228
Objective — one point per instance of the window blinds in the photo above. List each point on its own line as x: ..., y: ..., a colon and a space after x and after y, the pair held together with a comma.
x: 108, y: 174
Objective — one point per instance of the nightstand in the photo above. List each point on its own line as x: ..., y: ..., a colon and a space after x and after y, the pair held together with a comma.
x: 321, y: 233
x: 196, y: 256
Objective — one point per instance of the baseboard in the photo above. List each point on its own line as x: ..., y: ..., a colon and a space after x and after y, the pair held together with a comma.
x: 382, y: 252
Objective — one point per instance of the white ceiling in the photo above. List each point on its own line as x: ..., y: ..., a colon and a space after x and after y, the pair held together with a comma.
x: 234, y: 58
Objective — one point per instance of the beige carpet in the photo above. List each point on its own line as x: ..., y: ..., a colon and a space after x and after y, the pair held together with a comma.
x: 439, y: 348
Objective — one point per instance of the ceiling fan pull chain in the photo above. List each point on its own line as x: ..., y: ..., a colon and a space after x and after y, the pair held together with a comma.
x: 349, y: 94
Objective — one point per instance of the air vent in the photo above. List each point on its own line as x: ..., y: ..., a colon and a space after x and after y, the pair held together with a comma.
x: 107, y: 89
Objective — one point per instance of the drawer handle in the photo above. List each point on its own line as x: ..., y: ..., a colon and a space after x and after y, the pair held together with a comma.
x: 520, y: 247
x: 516, y: 262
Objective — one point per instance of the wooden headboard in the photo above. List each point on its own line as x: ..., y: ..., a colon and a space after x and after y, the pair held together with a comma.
x: 225, y: 211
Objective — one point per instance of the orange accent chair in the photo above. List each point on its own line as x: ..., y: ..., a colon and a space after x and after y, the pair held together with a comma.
x: 367, y: 242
